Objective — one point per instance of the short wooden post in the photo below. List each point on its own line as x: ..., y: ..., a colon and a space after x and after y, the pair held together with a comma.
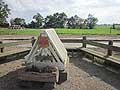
x: 84, y: 42
x: 109, y: 52
x: 1, y: 49
x: 33, y: 40
x: 72, y: 53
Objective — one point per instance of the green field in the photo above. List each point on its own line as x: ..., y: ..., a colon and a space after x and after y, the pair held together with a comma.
x: 99, y: 30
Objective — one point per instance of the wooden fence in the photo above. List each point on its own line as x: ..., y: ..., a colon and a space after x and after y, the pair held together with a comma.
x: 110, y: 48
x: 14, y: 43
x: 107, y: 59
x: 84, y: 42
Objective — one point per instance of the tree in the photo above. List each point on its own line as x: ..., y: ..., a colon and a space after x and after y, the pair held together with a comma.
x: 113, y: 26
x: 49, y: 22
x: 91, y: 21
x: 32, y: 25
x: 71, y: 22
x: 4, y: 12
x: 60, y: 20
x: 85, y: 24
x: 57, y: 20
x: 38, y: 20
x: 18, y: 21
x: 75, y: 22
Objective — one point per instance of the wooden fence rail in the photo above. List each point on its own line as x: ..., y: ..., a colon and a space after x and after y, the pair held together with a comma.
x: 14, y: 43
x: 84, y: 42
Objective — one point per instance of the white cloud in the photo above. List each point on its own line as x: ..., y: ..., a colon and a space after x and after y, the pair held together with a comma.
x: 107, y: 11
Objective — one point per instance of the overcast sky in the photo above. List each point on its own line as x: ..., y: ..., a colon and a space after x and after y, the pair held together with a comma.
x: 107, y: 11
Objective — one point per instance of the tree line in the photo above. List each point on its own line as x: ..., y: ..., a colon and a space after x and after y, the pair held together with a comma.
x: 57, y: 20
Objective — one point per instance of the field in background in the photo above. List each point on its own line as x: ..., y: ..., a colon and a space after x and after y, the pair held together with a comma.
x: 5, y: 31
x: 99, y: 30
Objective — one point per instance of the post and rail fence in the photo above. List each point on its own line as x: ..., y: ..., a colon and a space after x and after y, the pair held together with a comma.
x: 86, y: 42
x: 110, y: 48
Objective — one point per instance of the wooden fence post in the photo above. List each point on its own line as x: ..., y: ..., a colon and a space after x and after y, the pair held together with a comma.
x: 109, y: 52
x: 84, y: 42
x: 1, y: 49
x: 33, y: 40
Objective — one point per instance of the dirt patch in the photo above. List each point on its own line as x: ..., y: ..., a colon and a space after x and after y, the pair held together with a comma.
x: 83, y: 76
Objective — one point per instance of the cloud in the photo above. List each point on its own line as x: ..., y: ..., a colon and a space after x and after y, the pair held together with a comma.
x: 107, y: 11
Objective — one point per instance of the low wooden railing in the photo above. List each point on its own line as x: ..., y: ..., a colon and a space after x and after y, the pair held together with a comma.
x: 86, y: 42
x: 14, y: 43
x: 110, y: 48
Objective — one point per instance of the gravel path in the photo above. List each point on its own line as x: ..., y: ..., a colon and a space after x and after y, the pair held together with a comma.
x: 83, y: 76
x: 87, y: 76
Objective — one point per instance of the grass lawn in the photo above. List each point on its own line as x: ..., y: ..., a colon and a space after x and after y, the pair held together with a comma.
x: 99, y: 30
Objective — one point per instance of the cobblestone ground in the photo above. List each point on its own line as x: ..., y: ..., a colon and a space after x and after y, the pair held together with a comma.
x: 83, y: 76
